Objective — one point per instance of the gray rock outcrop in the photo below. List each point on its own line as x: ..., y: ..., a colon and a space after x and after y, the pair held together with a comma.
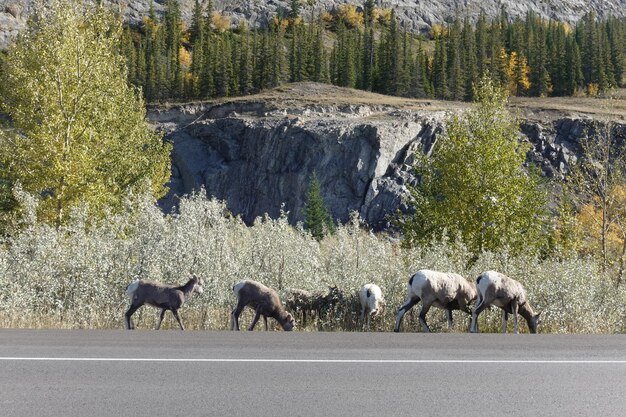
x: 258, y: 161
x: 259, y: 157
x: 415, y: 15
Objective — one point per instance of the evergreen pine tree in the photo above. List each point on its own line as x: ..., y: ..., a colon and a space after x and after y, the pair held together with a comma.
x: 440, y: 63
x: 419, y: 76
x: 368, y: 46
x: 207, y: 78
x: 277, y: 57
x: 173, y: 24
x: 394, y: 65
x: 481, y: 44
x: 318, y: 54
x: 233, y: 64
x: 405, y: 65
x: 208, y: 15
x: 539, y: 76
x: 617, y: 40
x: 456, y: 74
x: 317, y: 219
x: 245, y: 60
x: 197, y: 66
x: 130, y: 52
x: 590, y: 42
x: 140, y: 75
x: 469, y: 58
x: 294, y: 9
x: 575, y: 78
x: 196, y: 30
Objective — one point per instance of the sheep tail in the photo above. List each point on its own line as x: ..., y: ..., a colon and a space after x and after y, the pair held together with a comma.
x: 132, y: 287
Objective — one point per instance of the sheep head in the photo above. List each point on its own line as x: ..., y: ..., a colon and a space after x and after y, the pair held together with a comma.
x: 198, y: 284
x: 288, y: 322
x: 534, y: 322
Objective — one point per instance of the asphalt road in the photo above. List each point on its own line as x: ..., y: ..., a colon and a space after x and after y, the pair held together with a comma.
x: 173, y: 373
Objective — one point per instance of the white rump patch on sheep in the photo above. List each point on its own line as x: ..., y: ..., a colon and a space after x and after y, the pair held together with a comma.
x: 132, y: 287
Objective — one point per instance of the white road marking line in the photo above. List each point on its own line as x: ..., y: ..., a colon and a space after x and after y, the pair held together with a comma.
x: 381, y: 361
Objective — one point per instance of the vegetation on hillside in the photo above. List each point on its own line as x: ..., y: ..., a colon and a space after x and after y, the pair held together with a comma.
x: 366, y: 48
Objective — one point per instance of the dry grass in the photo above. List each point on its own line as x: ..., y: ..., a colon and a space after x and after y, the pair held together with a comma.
x: 553, y: 107
x: 310, y: 93
x: 300, y: 95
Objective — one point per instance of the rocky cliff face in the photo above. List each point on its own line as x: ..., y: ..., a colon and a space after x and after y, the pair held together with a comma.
x: 258, y: 155
x: 258, y: 162
x: 416, y: 15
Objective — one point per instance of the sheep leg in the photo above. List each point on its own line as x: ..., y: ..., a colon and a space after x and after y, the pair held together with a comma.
x: 235, y: 317
x: 449, y: 316
x: 158, y: 326
x: 514, y: 309
x: 180, y: 323
x: 422, y: 317
x: 479, y: 309
x: 265, y: 321
x: 505, y: 319
x: 402, y: 310
x: 129, y: 321
x: 257, y: 315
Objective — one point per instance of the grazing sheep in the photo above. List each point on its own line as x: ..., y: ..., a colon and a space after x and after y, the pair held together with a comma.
x: 444, y: 290
x: 264, y: 301
x: 312, y: 303
x: 499, y: 290
x: 372, y: 302
x: 163, y: 296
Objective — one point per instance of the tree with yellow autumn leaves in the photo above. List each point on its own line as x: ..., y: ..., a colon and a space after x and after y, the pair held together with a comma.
x: 599, y: 185
x: 80, y: 134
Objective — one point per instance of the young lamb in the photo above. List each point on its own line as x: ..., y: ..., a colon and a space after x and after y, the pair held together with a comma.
x: 264, y: 301
x: 372, y: 302
x: 163, y: 296
x: 447, y: 291
x: 499, y: 290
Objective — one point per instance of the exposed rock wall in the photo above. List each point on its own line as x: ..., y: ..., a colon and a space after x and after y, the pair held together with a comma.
x: 258, y: 163
x: 258, y: 160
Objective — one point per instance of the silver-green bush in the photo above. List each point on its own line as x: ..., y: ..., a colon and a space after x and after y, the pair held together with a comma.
x: 76, y: 276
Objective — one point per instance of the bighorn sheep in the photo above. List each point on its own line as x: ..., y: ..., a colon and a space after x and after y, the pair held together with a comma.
x: 264, y: 301
x: 499, y: 290
x: 312, y: 303
x: 372, y: 302
x: 163, y: 296
x: 444, y: 290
